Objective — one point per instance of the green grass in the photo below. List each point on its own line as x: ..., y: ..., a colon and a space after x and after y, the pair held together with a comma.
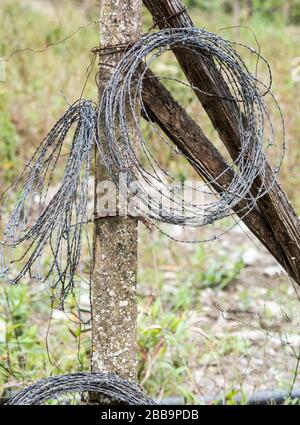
x: 180, y: 327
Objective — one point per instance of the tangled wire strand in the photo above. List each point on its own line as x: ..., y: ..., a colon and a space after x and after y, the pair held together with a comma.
x: 48, y: 242
x: 58, y: 388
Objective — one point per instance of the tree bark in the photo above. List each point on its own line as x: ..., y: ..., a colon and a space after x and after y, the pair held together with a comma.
x: 113, y: 289
x: 202, y: 73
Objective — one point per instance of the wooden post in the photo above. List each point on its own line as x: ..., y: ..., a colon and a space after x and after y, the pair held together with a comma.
x: 202, y: 74
x: 113, y: 289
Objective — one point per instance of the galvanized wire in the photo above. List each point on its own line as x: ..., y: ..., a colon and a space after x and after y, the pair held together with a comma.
x: 42, y: 226
x: 48, y: 242
x: 153, y: 185
x: 72, y: 388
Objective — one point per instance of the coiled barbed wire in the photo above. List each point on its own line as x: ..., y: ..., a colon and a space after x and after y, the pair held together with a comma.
x: 53, y: 237
x: 120, y: 108
x: 58, y: 388
x: 58, y: 227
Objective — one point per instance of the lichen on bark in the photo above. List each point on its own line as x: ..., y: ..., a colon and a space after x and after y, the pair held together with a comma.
x: 113, y: 289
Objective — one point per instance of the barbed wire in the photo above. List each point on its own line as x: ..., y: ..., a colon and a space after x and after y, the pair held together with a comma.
x: 59, y: 388
x: 49, y: 240
x: 51, y: 226
x: 120, y: 108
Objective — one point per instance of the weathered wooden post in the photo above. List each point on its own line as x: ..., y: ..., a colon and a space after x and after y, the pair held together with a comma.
x: 113, y: 289
x: 202, y: 74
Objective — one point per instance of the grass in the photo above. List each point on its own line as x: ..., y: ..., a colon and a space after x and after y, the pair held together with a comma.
x: 208, y: 323
x: 31, y: 345
x: 194, y: 339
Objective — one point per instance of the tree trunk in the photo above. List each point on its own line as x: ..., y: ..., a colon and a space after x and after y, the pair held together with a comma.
x: 113, y: 289
x: 202, y: 73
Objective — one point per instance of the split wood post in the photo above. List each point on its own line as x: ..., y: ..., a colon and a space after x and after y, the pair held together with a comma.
x: 202, y: 74
x: 113, y: 288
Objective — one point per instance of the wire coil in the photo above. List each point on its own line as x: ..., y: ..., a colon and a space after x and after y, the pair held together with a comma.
x: 120, y: 109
